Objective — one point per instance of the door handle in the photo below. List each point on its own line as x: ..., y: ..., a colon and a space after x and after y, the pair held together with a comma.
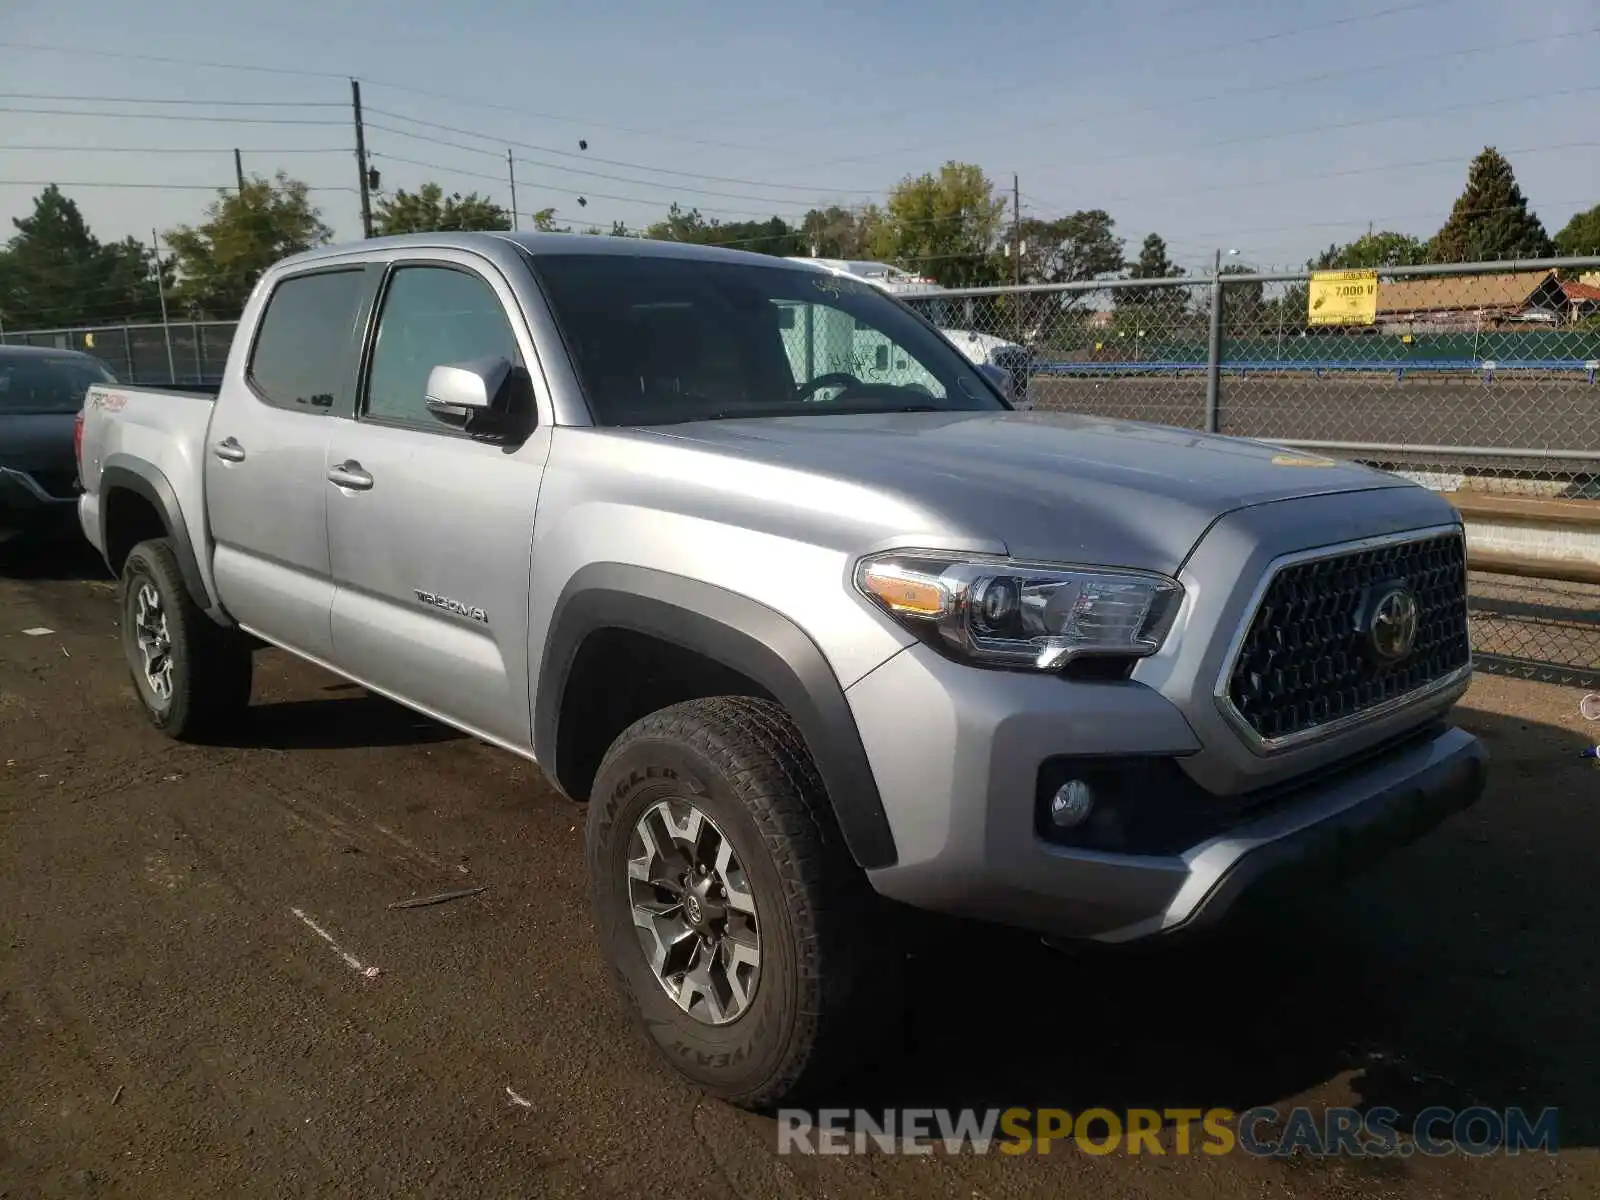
x: 349, y: 474
x: 229, y: 450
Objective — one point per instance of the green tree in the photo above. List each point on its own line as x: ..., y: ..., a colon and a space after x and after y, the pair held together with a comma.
x: 1384, y: 249
x: 1243, y: 299
x: 1581, y: 235
x: 1153, y: 263
x: 244, y: 232
x: 838, y: 232
x: 429, y: 210
x: 1081, y: 245
x: 946, y: 226
x: 1490, y: 220
x: 681, y: 226
x: 54, y: 271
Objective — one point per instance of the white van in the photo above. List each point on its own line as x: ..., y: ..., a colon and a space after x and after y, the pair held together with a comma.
x: 870, y: 356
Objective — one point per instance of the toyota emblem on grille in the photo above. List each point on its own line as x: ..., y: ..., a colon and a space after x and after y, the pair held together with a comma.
x: 1392, y: 628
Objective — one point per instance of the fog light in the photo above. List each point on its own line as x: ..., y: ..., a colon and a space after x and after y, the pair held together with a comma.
x: 1071, y: 804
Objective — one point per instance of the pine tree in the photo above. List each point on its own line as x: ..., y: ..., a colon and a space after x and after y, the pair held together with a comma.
x: 1490, y: 220
x: 55, y: 272
x: 1152, y: 263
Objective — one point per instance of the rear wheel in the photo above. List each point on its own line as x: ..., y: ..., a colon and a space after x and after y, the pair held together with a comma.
x: 192, y: 675
x: 738, y: 928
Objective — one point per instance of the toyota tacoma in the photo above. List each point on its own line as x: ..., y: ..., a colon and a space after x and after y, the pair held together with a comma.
x: 817, y: 645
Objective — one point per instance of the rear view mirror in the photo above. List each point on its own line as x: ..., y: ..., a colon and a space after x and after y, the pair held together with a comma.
x: 478, y: 396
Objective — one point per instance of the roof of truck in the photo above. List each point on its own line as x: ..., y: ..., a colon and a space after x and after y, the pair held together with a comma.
x: 542, y: 244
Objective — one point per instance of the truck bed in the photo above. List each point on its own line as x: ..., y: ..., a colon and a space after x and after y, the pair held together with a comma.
x: 158, y: 433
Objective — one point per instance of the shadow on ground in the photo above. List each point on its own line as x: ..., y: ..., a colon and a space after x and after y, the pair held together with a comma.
x: 349, y: 718
x: 65, y: 558
x: 1457, y: 972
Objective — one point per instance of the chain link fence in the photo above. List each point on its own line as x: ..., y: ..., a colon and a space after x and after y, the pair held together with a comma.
x: 181, y: 352
x: 1479, y: 380
x: 1476, y: 379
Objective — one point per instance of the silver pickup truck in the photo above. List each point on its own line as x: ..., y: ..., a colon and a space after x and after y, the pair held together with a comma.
x: 814, y: 645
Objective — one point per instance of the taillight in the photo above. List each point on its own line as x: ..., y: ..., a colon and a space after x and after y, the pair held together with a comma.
x: 77, y: 442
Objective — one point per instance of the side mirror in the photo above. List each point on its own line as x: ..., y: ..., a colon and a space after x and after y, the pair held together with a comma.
x: 477, y: 396
x: 999, y: 377
x: 458, y: 391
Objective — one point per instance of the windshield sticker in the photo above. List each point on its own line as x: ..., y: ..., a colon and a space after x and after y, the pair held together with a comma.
x: 835, y: 286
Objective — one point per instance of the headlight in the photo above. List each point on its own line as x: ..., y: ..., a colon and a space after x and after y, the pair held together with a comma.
x: 1036, y: 616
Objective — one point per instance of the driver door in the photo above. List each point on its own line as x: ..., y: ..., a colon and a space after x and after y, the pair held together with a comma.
x: 430, y: 530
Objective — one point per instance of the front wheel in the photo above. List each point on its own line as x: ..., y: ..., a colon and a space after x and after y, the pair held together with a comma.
x: 192, y: 676
x: 738, y: 928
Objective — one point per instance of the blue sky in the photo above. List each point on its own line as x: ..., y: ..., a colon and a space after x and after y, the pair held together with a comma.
x: 1271, y: 128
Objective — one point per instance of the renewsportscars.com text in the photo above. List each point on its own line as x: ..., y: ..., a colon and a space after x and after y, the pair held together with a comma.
x: 1259, y: 1132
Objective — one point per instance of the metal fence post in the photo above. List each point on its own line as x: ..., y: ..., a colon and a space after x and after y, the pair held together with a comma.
x: 194, y: 337
x: 1214, y: 350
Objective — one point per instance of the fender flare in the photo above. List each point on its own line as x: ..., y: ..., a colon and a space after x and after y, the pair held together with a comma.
x: 743, y: 635
x: 147, y: 481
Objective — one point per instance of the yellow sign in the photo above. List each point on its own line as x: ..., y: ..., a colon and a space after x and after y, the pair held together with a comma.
x: 1343, y: 298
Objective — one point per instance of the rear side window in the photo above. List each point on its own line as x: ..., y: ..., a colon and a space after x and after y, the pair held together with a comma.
x: 303, y: 352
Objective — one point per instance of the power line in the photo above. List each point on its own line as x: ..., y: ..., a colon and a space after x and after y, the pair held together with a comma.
x: 1454, y: 160
x: 177, y: 149
x: 1119, y: 68
x: 160, y: 100
x: 1413, y: 115
x: 610, y: 162
x: 125, y: 116
x: 1410, y: 62
x: 170, y: 187
x: 399, y: 87
x: 651, y: 200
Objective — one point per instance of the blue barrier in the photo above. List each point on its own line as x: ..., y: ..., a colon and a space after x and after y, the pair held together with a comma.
x: 1319, y: 367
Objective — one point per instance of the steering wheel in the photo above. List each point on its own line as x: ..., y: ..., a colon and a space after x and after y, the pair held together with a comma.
x: 832, y: 379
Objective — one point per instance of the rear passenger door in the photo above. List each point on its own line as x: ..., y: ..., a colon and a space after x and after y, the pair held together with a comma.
x: 265, y: 465
x: 431, y: 550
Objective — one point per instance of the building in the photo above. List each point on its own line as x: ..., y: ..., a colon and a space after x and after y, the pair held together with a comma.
x: 1452, y: 303
x: 1583, y: 299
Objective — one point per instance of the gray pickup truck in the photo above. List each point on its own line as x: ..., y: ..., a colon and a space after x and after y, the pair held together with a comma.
x: 814, y: 642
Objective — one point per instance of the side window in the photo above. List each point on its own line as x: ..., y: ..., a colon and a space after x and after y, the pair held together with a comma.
x: 432, y: 316
x: 302, y: 351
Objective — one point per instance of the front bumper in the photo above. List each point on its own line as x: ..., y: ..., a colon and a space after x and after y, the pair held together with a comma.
x: 26, y: 508
x: 964, y: 817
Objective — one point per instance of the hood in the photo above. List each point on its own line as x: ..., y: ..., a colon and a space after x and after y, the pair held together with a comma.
x: 37, y: 441
x: 1050, y: 486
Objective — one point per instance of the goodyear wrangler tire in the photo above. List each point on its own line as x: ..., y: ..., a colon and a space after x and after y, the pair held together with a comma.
x: 737, y: 926
x: 191, y: 675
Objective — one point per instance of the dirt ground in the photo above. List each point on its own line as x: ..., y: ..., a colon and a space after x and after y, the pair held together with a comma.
x: 187, y: 1006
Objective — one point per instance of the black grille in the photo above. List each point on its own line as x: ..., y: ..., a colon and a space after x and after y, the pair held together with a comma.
x: 1306, y: 660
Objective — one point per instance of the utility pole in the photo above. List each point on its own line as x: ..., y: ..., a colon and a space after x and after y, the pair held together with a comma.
x: 1016, y: 232
x: 1016, y: 247
x: 511, y: 171
x: 161, y: 291
x: 238, y: 169
x: 361, y: 159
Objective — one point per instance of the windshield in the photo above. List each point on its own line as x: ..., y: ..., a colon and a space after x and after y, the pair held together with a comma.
x: 658, y: 340
x: 44, y: 384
